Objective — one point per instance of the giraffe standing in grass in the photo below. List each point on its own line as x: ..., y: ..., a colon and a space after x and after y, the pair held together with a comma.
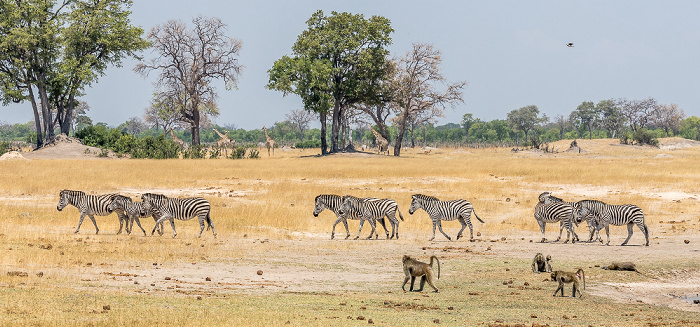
x: 269, y: 143
x: 224, y: 141
x: 176, y: 139
x: 382, y: 143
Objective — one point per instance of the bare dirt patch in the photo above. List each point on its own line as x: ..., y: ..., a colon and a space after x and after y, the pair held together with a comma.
x: 64, y: 147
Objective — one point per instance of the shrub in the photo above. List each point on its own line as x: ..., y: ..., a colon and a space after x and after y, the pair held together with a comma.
x: 254, y: 154
x: 237, y: 153
x: 195, y: 152
x: 309, y: 144
x: 4, y: 147
x: 645, y: 136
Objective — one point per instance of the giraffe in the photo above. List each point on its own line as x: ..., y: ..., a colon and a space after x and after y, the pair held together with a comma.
x: 269, y: 143
x: 224, y: 141
x: 382, y: 143
x: 176, y: 139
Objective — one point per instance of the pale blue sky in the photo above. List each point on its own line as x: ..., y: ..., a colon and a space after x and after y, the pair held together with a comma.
x: 511, y: 53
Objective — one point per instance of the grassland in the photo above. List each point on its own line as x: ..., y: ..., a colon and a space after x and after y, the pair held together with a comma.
x: 262, y: 212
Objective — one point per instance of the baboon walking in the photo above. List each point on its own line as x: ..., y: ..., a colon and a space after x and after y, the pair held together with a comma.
x: 414, y: 268
x: 541, y: 264
x: 565, y: 277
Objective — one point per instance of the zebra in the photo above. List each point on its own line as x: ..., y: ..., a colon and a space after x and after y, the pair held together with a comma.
x: 90, y: 205
x: 371, y: 209
x: 183, y: 209
x: 333, y: 202
x: 551, y: 209
x: 134, y: 211
x: 618, y: 215
x: 445, y: 210
x: 591, y: 210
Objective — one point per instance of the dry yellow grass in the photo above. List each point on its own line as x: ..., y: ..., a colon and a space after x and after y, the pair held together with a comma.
x: 272, y: 199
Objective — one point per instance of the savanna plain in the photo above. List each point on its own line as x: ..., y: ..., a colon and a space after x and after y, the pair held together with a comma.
x: 273, y: 263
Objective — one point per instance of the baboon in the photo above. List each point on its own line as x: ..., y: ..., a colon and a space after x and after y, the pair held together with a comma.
x: 565, y: 277
x: 414, y: 268
x: 627, y: 266
x: 541, y: 264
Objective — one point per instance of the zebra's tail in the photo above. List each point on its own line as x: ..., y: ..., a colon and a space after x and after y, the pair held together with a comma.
x: 477, y: 217
x: 400, y: 215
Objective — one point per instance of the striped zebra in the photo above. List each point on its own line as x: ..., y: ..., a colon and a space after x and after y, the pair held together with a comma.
x: 371, y: 209
x: 591, y: 211
x: 445, y: 210
x: 551, y: 209
x: 333, y: 202
x: 90, y: 205
x: 183, y: 209
x: 619, y: 215
x: 134, y: 211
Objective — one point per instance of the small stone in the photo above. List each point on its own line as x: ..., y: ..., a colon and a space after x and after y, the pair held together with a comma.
x: 167, y: 278
x: 361, y: 318
x: 686, y: 241
x: 208, y: 279
x: 437, y: 321
x: 260, y: 272
x: 370, y: 321
x: 199, y: 297
x: 106, y: 307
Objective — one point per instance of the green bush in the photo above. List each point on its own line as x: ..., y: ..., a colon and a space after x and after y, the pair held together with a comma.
x: 309, y: 144
x: 238, y: 153
x: 155, y: 148
x: 4, y: 147
x: 195, y: 152
x: 645, y: 136
x: 254, y: 154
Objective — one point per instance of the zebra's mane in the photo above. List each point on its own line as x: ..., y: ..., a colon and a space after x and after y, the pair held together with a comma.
x: 592, y: 201
x: 154, y: 196
x: 425, y: 197
x: 123, y: 198
x: 72, y: 192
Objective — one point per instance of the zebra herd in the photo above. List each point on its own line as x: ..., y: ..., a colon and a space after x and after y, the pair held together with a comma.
x: 549, y: 209
x: 598, y: 215
x: 158, y: 206
x: 375, y: 209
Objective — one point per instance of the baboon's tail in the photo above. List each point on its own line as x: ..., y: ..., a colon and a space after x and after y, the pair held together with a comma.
x: 477, y: 217
x: 583, y: 277
x: 438, y: 264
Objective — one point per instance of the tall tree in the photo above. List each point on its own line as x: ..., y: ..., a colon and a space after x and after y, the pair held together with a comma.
x: 524, y: 120
x: 586, y: 114
x: 612, y: 118
x: 415, y: 88
x: 189, y: 61
x: 638, y: 113
x: 467, y: 122
x: 337, y: 62
x: 50, y: 51
x: 562, y: 123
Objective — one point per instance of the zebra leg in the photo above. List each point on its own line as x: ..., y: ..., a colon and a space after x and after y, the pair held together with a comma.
x: 645, y: 230
x: 172, y: 223
x: 542, y: 224
x: 121, y: 225
x: 439, y: 224
x: 394, y: 222
x: 201, y: 226
x: 434, y: 225
x: 82, y: 216
x: 138, y: 222
x: 629, y: 233
x: 561, y: 229
x: 336, y: 223
x: 607, y: 233
x: 210, y: 224
x: 383, y: 223
x: 464, y: 225
x: 92, y: 217
x: 160, y: 221
x: 362, y: 222
x: 373, y: 224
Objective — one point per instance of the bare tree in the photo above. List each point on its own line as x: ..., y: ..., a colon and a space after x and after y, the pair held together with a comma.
x: 563, y: 123
x: 162, y: 113
x: 415, y: 88
x: 637, y: 112
x: 300, y: 118
x: 189, y: 61
x: 134, y: 126
x: 669, y: 118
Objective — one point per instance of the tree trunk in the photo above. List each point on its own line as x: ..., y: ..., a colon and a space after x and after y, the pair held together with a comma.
x: 45, y: 109
x: 402, y: 130
x: 335, y: 128
x: 195, y: 127
x: 590, y: 133
x: 68, y: 117
x: 37, y: 120
x: 324, y: 143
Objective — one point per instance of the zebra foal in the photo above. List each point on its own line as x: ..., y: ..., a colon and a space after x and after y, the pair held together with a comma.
x: 333, y: 202
x: 460, y: 210
x: 182, y: 209
x: 134, y: 211
x: 90, y: 205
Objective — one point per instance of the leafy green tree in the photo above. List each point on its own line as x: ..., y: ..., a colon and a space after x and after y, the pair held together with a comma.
x: 338, y: 61
x: 58, y: 49
x: 525, y: 119
x: 586, y: 115
x: 690, y: 128
x: 612, y: 118
x: 467, y: 122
